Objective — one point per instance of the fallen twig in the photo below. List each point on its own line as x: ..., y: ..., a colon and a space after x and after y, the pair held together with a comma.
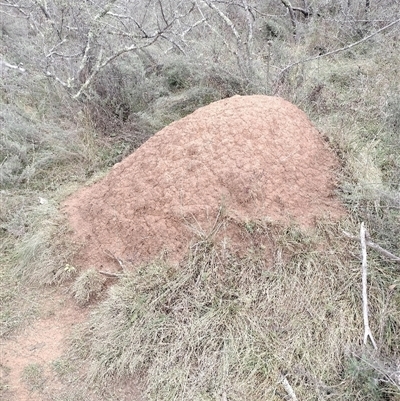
x: 112, y: 256
x: 288, y: 388
x: 110, y: 274
x: 367, y: 330
x: 377, y: 247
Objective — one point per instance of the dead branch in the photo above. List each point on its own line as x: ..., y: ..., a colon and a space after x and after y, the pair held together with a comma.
x: 243, y: 47
x: 191, y: 27
x: 17, y: 7
x: 61, y: 82
x: 148, y: 40
x: 225, y: 18
x: 139, y: 26
x: 367, y: 330
x: 100, y: 64
x: 4, y: 65
x: 377, y: 247
x: 90, y: 37
x: 383, y: 251
x: 162, y: 12
x: 110, y: 274
x: 288, y: 5
x: 303, y: 11
x: 53, y: 49
x: 112, y: 256
x: 43, y: 9
x: 174, y: 43
x: 250, y: 20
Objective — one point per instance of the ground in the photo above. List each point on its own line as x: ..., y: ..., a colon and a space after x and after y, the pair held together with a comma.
x: 250, y: 158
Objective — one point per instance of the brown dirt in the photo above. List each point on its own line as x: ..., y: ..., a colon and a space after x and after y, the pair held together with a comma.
x: 258, y: 156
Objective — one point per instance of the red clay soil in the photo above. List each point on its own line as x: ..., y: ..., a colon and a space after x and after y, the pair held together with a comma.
x: 258, y: 156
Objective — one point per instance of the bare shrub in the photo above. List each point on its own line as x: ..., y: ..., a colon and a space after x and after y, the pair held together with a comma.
x: 118, y: 96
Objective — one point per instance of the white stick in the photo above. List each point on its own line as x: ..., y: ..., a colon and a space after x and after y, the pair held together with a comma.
x: 367, y: 330
x: 377, y: 247
x: 288, y: 388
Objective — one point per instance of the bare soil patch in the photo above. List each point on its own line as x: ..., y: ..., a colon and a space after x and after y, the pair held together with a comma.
x: 35, y: 363
x: 259, y: 157
x: 28, y: 357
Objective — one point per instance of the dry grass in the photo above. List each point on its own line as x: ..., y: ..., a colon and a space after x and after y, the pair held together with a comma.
x: 17, y: 301
x: 43, y: 252
x: 88, y: 286
x: 33, y: 375
x: 220, y: 324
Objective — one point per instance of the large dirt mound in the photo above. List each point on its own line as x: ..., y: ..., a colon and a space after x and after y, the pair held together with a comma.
x: 258, y: 156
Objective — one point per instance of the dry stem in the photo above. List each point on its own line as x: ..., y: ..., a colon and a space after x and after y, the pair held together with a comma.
x: 377, y: 247
x: 288, y: 388
x: 367, y: 330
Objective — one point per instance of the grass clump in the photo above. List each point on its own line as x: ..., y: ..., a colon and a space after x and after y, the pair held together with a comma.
x: 33, y: 376
x: 87, y: 286
x: 227, y: 325
x: 42, y: 254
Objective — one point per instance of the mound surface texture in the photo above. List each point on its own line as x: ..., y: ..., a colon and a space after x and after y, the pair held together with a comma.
x: 258, y: 156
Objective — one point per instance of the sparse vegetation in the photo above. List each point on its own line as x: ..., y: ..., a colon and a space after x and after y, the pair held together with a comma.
x: 33, y: 375
x: 220, y: 326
